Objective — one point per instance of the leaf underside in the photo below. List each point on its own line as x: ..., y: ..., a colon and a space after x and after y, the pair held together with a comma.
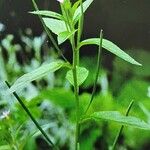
x: 43, y: 70
x: 111, y: 47
x: 82, y: 74
x: 121, y: 119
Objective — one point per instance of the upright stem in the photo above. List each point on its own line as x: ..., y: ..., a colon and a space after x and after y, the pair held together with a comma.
x: 76, y: 58
x: 76, y: 91
x: 80, y: 29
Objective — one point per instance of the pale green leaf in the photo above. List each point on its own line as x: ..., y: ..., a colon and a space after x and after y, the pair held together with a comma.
x: 121, y: 119
x: 78, y: 12
x: 43, y: 70
x: 82, y: 74
x: 111, y: 47
x: 48, y: 14
x: 56, y: 26
x: 5, y: 147
x: 63, y: 36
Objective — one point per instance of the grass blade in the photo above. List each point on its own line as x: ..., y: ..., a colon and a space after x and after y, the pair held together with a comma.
x: 32, y: 118
x: 97, y: 72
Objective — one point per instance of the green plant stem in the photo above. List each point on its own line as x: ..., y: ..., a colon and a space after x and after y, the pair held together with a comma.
x: 80, y: 23
x: 76, y: 91
x: 33, y: 119
x: 97, y: 72
x: 48, y: 32
x: 64, y: 14
x: 80, y: 30
x: 121, y: 129
x: 74, y: 69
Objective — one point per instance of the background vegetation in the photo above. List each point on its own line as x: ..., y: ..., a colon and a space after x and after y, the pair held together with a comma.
x: 24, y: 46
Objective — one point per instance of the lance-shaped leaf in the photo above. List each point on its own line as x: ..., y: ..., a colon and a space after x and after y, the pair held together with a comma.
x: 78, y: 12
x: 56, y: 26
x: 38, y: 73
x: 121, y: 119
x: 82, y: 74
x: 63, y: 36
x: 48, y: 14
x: 111, y: 47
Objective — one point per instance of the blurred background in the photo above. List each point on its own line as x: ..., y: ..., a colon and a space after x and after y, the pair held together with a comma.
x: 24, y: 46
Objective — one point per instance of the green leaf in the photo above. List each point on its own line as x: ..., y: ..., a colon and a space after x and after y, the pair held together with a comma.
x: 108, y: 45
x: 119, y: 118
x: 48, y: 14
x: 56, y: 26
x: 4, y: 147
x: 88, y: 142
x: 75, y: 6
x: 78, y: 12
x: 24, y: 80
x: 63, y: 36
x: 59, y: 96
x: 82, y: 74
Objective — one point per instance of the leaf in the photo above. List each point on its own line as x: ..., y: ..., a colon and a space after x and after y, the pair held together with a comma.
x: 75, y: 6
x: 82, y: 74
x: 63, y: 36
x: 43, y: 70
x: 108, y: 45
x: 137, y: 89
x: 78, y: 12
x: 48, y: 14
x: 59, y: 96
x: 119, y: 118
x: 56, y: 26
x: 88, y: 142
x: 4, y: 147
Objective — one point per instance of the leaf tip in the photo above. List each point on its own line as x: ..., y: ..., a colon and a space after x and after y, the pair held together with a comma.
x: 137, y: 63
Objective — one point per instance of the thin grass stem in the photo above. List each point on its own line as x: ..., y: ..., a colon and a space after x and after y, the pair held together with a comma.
x: 97, y: 72
x: 121, y: 128
x: 33, y: 119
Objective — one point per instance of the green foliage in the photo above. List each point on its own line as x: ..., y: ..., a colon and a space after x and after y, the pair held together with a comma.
x: 143, y: 71
x: 58, y: 96
x: 82, y: 74
x: 63, y: 36
x: 88, y: 140
x: 112, y: 48
x: 56, y: 26
x: 119, y: 118
x: 78, y: 12
x: 136, y: 89
x: 48, y: 14
x: 58, y: 110
x: 36, y: 74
